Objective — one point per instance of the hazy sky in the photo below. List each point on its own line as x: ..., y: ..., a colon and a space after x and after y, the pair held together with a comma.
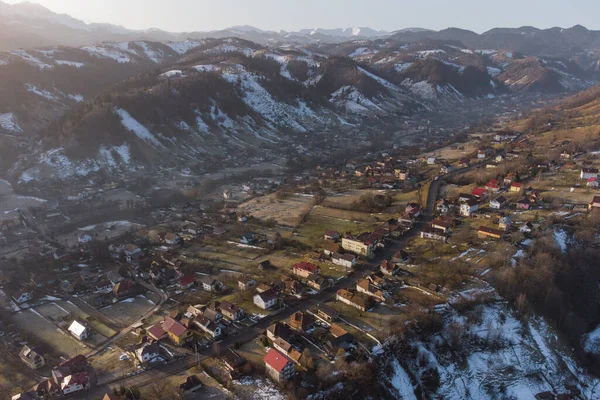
x: 201, y: 15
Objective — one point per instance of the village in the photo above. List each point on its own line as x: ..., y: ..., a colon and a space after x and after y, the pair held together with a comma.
x: 273, y: 278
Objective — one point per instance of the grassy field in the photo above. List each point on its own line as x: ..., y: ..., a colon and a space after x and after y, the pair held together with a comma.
x: 94, y: 324
x: 14, y: 376
x: 108, y: 365
x: 46, y: 333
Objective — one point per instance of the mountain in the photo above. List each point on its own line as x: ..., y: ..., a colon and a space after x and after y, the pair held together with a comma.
x: 213, y: 103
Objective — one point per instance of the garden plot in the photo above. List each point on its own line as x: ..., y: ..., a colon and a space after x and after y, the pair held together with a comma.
x: 34, y: 324
x: 93, y: 323
x: 286, y: 212
x: 129, y: 310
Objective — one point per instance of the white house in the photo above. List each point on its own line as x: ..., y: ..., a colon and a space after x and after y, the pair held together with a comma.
x: 79, y: 331
x: 587, y: 173
x: 468, y: 208
x: 23, y: 297
x: 344, y: 260
x: 431, y: 160
x: 147, y: 353
x: 265, y: 300
x: 498, y: 203
x: 75, y: 383
x: 211, y: 328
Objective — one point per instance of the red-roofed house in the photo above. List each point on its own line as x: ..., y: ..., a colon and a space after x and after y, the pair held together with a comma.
x: 278, y: 366
x: 304, y: 269
x: 178, y: 333
x: 75, y: 383
x: 479, y: 192
x: 157, y: 332
x: 186, y: 282
x: 493, y: 185
x: 516, y: 187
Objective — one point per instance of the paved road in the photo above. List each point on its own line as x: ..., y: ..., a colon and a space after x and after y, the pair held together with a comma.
x: 253, y: 332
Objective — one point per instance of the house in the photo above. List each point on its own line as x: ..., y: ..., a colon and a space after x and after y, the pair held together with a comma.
x: 594, y: 204
x: 413, y: 209
x: 278, y: 366
x: 75, y: 383
x: 246, y: 283
x: 401, y: 256
x: 233, y: 361
x: 330, y: 248
x: 156, y: 332
x: 46, y: 389
x: 505, y: 223
x: 493, y: 185
x: 524, y: 204
x: 485, y: 232
x: 265, y: 300
x: 317, y: 282
x: 337, y: 331
x: 210, y: 284
x: 527, y: 228
x: 365, y: 286
x: 344, y: 260
x: 587, y: 173
x: 389, y: 268
x: 434, y: 234
x: 114, y: 277
x: 231, y: 311
x: 327, y: 313
x: 358, y: 301
x: 33, y: 357
x: 300, y: 321
x: 186, y: 282
x: 208, y: 326
x: 358, y: 247
x: 23, y: 296
x: 464, y: 197
x: 147, y: 353
x: 401, y: 173
x: 446, y: 169
x: 592, y: 182
x: 172, y: 238
x: 431, y: 160
x: 516, y: 187
x: 178, y: 333
x: 191, y: 385
x: 125, y: 289
x: 212, y: 314
x: 248, y: 238
x: 304, y: 269
x: 80, y: 331
x: 443, y: 206
x: 464, y: 162
x: 443, y: 225
x: 468, y: 208
x: 331, y: 235
x: 84, y: 238
x: 479, y: 192
x: 498, y: 203
x: 279, y: 329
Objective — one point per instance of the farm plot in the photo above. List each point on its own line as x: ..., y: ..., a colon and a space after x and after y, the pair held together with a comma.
x: 129, y: 310
x: 44, y: 332
x: 286, y: 212
x: 93, y: 323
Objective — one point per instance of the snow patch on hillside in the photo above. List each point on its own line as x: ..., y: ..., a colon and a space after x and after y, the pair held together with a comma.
x: 134, y: 126
x: 107, y: 155
x: 31, y: 59
x: 207, y: 68
x: 379, y: 79
x: 103, y: 52
x: 76, y: 97
x: 184, y: 47
x: 40, y: 92
x: 154, y: 55
x: 9, y: 122
x: 259, y: 99
x: 401, y: 382
x: 73, y: 64
x: 353, y: 100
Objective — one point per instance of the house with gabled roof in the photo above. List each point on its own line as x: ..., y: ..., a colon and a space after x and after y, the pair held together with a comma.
x: 304, y: 269
x: 278, y: 366
x: 178, y: 333
x: 355, y: 300
x: 33, y: 357
x: 389, y: 268
x: 265, y: 300
x: 498, y: 203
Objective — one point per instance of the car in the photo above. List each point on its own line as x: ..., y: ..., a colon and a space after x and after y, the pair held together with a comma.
x: 124, y: 357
